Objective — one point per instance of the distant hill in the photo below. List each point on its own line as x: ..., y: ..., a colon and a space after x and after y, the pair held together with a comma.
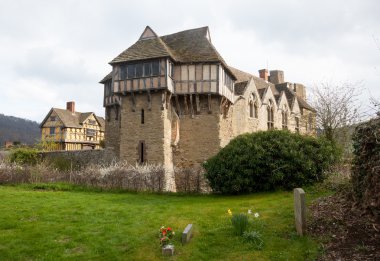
x: 17, y: 129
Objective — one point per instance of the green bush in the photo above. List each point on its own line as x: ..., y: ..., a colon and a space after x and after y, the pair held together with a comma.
x: 269, y: 160
x: 24, y: 156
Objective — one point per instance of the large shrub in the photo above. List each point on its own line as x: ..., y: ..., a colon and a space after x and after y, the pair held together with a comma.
x: 24, y: 156
x: 366, y: 166
x: 269, y: 160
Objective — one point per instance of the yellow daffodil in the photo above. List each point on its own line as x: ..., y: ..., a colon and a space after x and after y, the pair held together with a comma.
x: 229, y: 212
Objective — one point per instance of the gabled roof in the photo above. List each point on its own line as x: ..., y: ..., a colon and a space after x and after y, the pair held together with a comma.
x: 240, y: 75
x: 240, y: 87
x: 84, y: 115
x: 144, y: 49
x: 290, y: 94
x: 106, y: 78
x: 73, y: 120
x: 190, y: 46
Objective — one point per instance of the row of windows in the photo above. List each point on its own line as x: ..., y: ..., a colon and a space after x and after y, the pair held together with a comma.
x: 138, y: 70
x: 89, y: 132
x: 253, y: 113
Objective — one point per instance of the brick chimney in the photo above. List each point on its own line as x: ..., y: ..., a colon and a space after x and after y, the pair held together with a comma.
x: 276, y: 77
x: 70, y: 106
x: 263, y: 74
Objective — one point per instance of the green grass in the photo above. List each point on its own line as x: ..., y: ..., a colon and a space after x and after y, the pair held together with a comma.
x: 52, y: 222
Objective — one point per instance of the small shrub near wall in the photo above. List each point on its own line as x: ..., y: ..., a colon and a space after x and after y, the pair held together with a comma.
x: 366, y: 166
x: 24, y: 156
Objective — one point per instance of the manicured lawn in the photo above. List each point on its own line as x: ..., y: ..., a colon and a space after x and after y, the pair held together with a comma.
x: 85, y: 225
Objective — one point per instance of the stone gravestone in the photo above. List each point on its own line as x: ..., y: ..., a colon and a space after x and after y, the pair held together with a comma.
x: 300, y: 210
x: 168, y: 250
x: 187, y: 233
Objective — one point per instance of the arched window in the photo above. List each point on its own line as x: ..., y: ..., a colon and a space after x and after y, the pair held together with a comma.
x: 270, y: 113
x: 284, y: 114
x: 256, y: 110
x: 251, y: 109
x: 297, y: 124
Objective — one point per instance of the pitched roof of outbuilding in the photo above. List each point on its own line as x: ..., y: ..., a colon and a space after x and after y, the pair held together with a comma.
x: 73, y: 120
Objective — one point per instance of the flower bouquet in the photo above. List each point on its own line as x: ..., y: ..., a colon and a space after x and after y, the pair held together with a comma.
x: 166, y: 234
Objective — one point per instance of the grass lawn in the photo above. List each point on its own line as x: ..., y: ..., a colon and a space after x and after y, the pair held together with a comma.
x: 90, y: 225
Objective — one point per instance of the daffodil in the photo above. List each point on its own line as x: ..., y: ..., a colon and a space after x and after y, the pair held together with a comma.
x: 229, y: 212
x: 256, y: 215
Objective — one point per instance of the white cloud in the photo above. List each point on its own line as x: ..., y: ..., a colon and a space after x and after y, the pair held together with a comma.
x: 53, y: 51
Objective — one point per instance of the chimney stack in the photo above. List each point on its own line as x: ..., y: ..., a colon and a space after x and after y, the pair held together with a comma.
x: 276, y: 77
x: 263, y: 74
x: 70, y: 106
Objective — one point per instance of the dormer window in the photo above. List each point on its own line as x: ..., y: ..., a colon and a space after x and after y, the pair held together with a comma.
x: 53, y: 118
x: 91, y: 122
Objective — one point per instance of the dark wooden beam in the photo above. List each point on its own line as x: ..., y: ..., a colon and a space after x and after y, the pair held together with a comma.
x: 209, y: 103
x: 186, y: 105
x: 197, y: 103
x: 191, y: 106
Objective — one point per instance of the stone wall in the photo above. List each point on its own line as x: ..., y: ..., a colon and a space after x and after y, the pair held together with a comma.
x: 199, y: 134
x: 83, y: 157
x: 154, y: 132
x: 112, y: 129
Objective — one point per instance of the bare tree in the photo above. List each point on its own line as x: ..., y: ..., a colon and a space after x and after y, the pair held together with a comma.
x: 336, y: 106
x: 376, y: 104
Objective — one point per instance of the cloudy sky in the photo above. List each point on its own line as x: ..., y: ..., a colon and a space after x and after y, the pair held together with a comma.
x: 55, y: 51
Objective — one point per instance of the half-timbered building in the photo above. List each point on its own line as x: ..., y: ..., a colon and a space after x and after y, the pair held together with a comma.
x: 67, y: 129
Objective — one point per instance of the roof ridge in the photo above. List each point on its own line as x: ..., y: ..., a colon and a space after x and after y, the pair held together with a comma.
x: 185, y: 31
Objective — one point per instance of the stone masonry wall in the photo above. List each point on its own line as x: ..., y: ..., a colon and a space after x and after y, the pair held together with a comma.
x: 199, y: 136
x: 154, y: 133
x: 83, y: 157
x: 112, y: 131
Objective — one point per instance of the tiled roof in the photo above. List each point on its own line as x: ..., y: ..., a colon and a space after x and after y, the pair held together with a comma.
x: 290, y: 94
x: 188, y: 46
x: 240, y: 75
x: 143, y: 49
x: 101, y: 121
x: 73, y: 120
x: 240, y: 88
x: 106, y: 78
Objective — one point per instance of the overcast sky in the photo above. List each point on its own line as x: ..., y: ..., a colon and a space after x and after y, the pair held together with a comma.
x: 56, y: 51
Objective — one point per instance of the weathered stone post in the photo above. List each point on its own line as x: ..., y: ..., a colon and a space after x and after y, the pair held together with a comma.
x: 300, y: 210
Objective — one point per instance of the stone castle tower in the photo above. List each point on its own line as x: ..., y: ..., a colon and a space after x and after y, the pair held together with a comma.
x: 173, y: 100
